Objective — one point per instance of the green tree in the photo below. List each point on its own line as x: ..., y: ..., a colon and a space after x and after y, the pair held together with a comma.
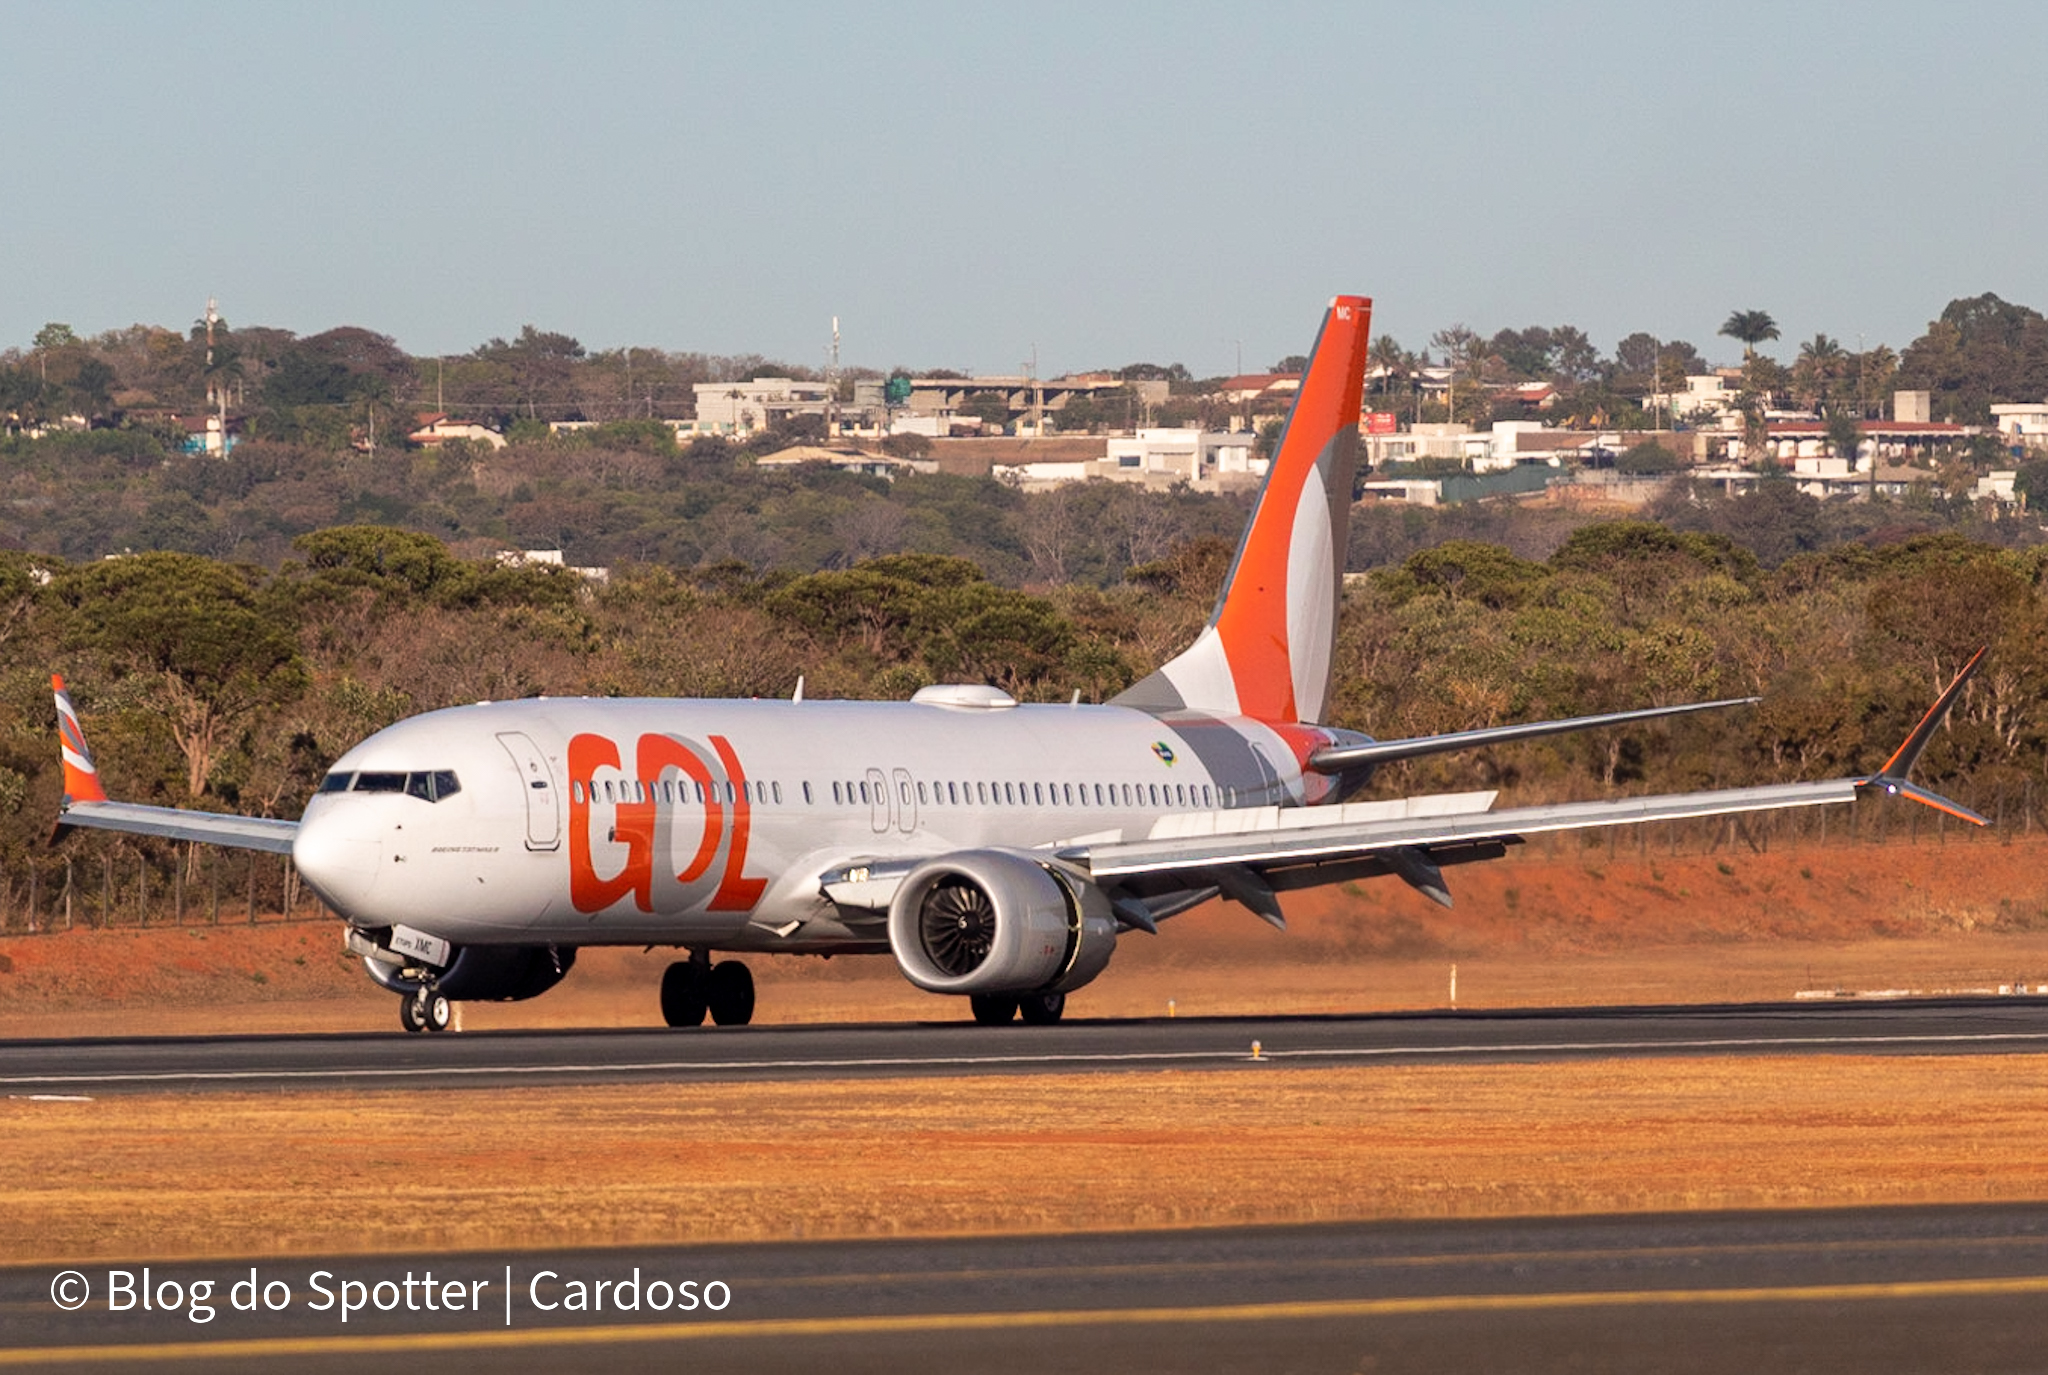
x: 1750, y: 328
x: 213, y: 647
x: 1845, y: 435
x: 1645, y: 458
x: 991, y: 408
x: 1819, y: 372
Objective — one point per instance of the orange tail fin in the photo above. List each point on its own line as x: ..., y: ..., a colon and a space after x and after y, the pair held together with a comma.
x: 1266, y: 652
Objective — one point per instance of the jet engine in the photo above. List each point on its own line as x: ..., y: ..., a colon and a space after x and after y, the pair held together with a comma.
x: 482, y: 973
x: 999, y: 921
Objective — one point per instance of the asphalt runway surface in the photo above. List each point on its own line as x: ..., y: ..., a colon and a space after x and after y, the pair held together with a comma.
x: 1920, y: 1289
x: 496, y: 1059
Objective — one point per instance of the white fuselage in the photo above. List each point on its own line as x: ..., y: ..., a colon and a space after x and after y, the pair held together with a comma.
x: 591, y: 821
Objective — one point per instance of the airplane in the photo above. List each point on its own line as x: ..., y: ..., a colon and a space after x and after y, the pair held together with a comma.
x: 997, y: 850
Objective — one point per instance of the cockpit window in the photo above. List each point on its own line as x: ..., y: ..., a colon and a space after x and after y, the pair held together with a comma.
x: 429, y: 785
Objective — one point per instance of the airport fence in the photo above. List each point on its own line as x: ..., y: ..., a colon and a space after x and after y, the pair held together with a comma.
x: 130, y: 884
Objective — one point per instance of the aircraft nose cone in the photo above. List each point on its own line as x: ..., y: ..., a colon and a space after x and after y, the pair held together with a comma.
x: 342, y: 867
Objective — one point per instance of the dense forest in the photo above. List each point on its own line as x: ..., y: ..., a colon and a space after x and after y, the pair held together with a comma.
x: 231, y: 686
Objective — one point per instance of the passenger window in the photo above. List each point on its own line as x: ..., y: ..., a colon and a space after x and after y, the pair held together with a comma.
x: 866, y: 797
x: 837, y: 800
x: 576, y: 788
x: 777, y: 791
x: 921, y: 799
x: 981, y: 793
x: 1038, y: 794
x: 1208, y: 797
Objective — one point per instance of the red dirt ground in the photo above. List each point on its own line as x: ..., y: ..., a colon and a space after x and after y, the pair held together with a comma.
x: 1581, y: 927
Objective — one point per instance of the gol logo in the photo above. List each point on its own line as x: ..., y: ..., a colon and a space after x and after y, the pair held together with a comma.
x: 648, y: 828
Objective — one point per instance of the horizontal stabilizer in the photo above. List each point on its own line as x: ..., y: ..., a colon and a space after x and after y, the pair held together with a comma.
x: 1338, y: 758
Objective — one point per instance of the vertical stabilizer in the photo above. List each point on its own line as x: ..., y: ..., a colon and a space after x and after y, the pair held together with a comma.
x: 1266, y: 652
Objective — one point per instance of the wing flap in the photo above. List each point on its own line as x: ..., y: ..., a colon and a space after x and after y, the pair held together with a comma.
x: 1364, y: 839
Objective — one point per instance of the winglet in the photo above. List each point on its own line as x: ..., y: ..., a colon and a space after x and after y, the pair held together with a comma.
x: 1891, y: 779
x: 81, y: 778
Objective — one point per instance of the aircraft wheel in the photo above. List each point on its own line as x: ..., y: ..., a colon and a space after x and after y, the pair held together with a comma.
x: 993, y: 1009
x: 1042, y: 1009
x: 730, y: 992
x: 435, y: 1010
x: 410, y: 1015
x: 682, y: 994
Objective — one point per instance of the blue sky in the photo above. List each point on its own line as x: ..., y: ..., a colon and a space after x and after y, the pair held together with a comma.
x: 963, y: 183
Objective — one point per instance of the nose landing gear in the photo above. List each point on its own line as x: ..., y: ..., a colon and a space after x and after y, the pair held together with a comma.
x: 424, y: 1010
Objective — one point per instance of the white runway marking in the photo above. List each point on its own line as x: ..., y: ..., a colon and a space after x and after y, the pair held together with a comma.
x: 1078, y: 1060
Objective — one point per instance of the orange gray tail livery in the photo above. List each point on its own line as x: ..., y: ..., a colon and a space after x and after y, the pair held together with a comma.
x: 81, y: 779
x: 1266, y: 652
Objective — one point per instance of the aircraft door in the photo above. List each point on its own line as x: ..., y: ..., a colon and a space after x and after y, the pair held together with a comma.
x: 543, y: 809
x: 906, y: 801
x: 878, y: 801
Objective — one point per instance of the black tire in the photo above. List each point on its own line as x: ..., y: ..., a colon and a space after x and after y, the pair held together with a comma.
x: 1042, y: 1009
x: 410, y: 1016
x: 436, y: 1012
x: 993, y: 1009
x: 682, y: 995
x: 730, y: 992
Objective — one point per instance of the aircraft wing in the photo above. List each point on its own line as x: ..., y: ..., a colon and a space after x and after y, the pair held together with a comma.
x: 1291, y: 856
x: 170, y: 823
x: 86, y: 803
x: 1250, y: 856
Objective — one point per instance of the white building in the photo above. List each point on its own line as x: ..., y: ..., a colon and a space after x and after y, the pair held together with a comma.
x: 1204, y: 460
x: 741, y: 408
x: 1708, y: 398
x: 2023, y: 423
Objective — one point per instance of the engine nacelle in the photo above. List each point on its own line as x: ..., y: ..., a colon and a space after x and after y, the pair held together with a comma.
x: 999, y: 921
x: 483, y: 973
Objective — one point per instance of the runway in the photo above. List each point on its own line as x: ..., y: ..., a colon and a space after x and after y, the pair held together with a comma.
x: 495, y: 1059
x: 1881, y: 1289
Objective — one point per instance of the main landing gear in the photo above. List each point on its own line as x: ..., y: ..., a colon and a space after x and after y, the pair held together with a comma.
x: 1037, y: 1009
x: 425, y: 1009
x: 694, y: 987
